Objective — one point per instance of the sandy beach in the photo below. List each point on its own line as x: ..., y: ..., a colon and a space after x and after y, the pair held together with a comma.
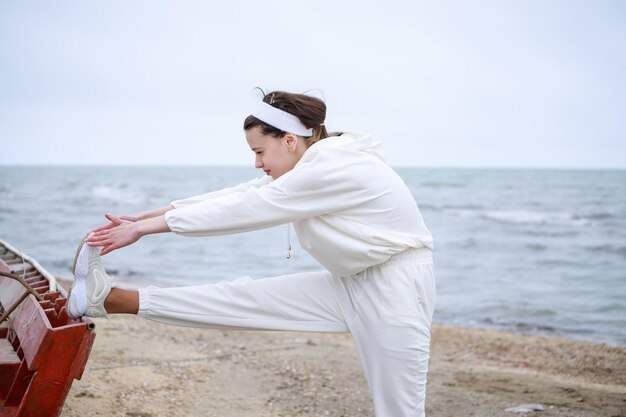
x: 139, y: 368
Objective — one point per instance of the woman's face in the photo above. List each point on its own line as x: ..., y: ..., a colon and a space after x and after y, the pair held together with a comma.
x: 275, y: 156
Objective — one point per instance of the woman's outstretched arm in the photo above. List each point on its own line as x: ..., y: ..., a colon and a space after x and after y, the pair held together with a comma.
x: 125, y: 232
x: 133, y: 217
x: 154, y: 213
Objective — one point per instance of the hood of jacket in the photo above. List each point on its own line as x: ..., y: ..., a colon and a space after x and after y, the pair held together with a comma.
x: 352, y: 141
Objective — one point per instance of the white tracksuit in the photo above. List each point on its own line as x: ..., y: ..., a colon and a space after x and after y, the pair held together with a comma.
x: 356, y: 216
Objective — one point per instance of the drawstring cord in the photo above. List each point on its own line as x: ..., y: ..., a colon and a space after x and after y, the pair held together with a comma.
x: 288, y: 241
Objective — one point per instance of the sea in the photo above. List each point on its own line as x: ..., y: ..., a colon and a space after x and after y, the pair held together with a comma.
x: 536, y: 251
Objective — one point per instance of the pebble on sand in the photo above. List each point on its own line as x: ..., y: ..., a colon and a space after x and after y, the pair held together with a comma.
x: 525, y: 408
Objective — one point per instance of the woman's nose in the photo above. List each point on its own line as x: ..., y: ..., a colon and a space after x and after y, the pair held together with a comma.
x: 258, y: 163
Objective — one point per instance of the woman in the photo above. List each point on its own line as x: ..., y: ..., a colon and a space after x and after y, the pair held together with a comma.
x: 351, y: 212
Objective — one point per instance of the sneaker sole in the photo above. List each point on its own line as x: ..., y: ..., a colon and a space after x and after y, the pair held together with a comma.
x: 80, y: 247
x: 102, y: 284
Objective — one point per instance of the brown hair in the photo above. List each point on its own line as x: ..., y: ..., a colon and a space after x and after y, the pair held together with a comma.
x: 310, y: 110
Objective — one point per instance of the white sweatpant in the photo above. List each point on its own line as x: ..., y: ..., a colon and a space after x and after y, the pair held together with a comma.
x: 388, y: 308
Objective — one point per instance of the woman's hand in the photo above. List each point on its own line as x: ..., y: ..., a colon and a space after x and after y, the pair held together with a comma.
x: 117, y: 234
x: 112, y: 219
x: 121, y: 232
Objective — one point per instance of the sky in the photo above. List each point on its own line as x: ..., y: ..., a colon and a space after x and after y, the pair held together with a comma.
x: 530, y: 83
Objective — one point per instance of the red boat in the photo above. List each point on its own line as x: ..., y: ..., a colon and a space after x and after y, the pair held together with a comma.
x: 42, y: 349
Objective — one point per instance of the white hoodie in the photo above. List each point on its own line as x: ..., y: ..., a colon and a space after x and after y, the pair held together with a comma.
x: 350, y: 210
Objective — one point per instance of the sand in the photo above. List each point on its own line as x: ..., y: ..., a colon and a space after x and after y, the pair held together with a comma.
x: 139, y: 368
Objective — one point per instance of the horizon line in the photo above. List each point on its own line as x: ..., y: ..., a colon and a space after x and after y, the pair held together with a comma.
x: 399, y: 166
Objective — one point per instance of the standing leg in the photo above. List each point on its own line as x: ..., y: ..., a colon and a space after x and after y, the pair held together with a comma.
x: 393, y: 307
x: 297, y: 302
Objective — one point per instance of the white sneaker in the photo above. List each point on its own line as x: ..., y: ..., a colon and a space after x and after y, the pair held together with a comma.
x: 91, y: 284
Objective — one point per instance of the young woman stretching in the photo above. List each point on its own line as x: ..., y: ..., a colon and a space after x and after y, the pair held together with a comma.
x: 350, y: 211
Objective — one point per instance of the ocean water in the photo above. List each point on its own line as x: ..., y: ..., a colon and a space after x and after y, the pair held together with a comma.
x: 533, y: 251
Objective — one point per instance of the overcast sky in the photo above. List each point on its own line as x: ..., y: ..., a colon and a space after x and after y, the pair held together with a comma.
x: 442, y: 83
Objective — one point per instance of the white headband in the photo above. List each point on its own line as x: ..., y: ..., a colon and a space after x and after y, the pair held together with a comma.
x: 280, y: 119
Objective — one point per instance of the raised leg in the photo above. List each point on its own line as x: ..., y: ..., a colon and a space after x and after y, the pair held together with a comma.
x: 120, y: 301
x: 297, y: 302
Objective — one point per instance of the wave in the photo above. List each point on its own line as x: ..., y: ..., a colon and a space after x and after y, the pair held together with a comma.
x: 573, y: 262
x: 450, y: 207
x: 603, y: 215
x: 498, y: 324
x: 441, y: 184
x: 520, y: 326
x: 535, y: 217
x: 608, y: 248
x: 536, y: 247
x: 119, y: 194
x: 126, y: 272
x: 610, y: 308
x: 525, y: 217
x: 576, y: 330
x: 550, y: 233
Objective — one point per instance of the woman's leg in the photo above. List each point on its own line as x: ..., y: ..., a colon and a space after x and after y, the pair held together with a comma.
x: 120, y: 301
x: 304, y: 302
x: 297, y: 302
x: 390, y: 324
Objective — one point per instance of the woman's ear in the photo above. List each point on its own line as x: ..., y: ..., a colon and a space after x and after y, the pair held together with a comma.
x: 291, y: 141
